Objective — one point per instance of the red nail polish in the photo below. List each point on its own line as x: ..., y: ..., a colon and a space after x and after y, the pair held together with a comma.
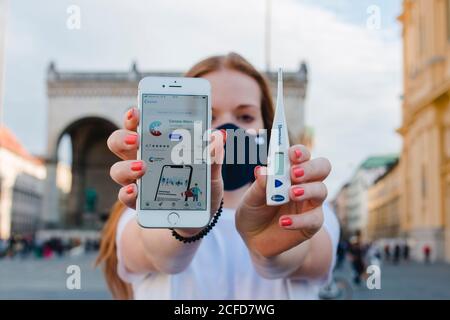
x: 286, y: 222
x: 298, y: 153
x: 130, y: 114
x: 255, y: 171
x: 131, y: 139
x: 299, y: 172
x: 130, y: 189
x: 298, y: 192
x: 224, y: 134
x: 136, y: 166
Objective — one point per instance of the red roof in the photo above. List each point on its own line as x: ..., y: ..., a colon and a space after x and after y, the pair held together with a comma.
x: 9, y: 141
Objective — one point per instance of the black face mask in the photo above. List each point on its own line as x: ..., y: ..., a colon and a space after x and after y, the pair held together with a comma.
x: 250, y: 151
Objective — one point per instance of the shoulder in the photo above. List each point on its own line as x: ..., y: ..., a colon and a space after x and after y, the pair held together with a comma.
x: 330, y: 217
x: 331, y: 223
x: 127, y: 215
x: 129, y: 277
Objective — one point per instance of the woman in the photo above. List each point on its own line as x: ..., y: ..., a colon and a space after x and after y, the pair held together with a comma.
x: 254, y: 251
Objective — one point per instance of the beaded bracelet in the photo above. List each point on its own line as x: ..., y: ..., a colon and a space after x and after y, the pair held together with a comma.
x: 202, y: 233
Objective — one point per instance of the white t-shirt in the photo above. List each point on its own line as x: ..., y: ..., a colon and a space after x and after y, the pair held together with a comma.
x: 221, y: 268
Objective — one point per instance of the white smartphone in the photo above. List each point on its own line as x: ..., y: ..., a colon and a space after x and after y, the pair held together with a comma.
x: 173, y: 129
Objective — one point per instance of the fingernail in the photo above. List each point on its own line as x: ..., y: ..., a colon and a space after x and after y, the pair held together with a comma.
x: 224, y: 134
x: 136, y: 166
x: 130, y: 113
x: 299, y: 172
x: 131, y: 139
x: 255, y: 171
x: 130, y: 189
x: 286, y: 222
x: 298, y: 153
x: 298, y: 191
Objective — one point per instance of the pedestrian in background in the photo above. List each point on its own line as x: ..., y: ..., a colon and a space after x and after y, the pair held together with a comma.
x: 387, y: 252
x: 406, y: 251
x: 427, y: 253
x: 396, y: 253
x: 356, y: 253
x: 341, y: 252
x: 374, y: 255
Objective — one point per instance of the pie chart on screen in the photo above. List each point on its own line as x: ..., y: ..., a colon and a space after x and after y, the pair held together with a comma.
x: 154, y: 128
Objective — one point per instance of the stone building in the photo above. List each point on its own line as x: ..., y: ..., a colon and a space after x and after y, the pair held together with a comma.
x: 357, y: 191
x: 21, y: 187
x: 340, y: 205
x: 425, y: 128
x: 384, y: 206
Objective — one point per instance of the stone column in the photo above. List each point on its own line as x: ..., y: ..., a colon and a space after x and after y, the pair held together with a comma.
x: 50, y: 211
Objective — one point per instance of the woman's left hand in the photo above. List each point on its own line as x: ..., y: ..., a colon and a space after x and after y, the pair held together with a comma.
x: 271, y: 230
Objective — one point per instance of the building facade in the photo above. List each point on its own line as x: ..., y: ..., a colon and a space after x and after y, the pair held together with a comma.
x: 87, y: 107
x: 21, y: 187
x: 340, y: 205
x: 425, y: 129
x: 384, y: 206
x: 352, y: 201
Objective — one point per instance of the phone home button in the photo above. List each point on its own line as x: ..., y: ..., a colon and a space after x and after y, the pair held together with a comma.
x: 173, y: 218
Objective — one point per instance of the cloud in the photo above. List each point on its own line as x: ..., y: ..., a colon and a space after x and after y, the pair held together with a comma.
x: 355, y: 74
x: 355, y: 84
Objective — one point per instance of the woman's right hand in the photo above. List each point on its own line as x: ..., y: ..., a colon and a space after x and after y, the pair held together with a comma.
x: 125, y: 142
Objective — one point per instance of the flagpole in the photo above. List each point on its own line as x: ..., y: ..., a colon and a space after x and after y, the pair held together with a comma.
x: 3, y: 17
x: 267, y: 34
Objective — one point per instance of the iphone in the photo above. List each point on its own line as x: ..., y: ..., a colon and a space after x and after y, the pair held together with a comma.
x: 173, y: 129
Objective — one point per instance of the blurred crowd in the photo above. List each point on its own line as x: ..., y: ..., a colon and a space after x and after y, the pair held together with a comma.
x: 30, y: 247
x: 360, y: 255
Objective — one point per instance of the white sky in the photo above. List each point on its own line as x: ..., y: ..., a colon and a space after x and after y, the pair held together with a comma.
x: 353, y: 99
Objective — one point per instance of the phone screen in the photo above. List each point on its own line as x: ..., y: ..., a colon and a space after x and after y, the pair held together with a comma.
x: 173, y: 184
x: 173, y: 144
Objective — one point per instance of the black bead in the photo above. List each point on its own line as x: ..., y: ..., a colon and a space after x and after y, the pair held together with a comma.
x: 202, y: 233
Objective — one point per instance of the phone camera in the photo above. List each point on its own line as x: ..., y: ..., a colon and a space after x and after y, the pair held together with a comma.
x: 163, y: 85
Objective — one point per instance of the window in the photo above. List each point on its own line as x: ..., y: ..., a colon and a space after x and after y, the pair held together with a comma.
x: 447, y: 202
x: 424, y: 182
x: 447, y: 11
x: 422, y: 29
x: 447, y: 140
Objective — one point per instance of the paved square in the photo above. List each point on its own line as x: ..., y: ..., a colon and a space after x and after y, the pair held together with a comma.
x: 46, y: 279
x: 406, y: 281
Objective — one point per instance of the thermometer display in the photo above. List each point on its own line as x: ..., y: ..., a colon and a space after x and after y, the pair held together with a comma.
x: 279, y: 163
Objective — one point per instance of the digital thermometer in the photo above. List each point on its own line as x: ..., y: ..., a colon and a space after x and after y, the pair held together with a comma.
x: 278, y: 164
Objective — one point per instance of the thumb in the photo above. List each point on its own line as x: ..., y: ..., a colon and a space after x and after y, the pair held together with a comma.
x: 217, y: 153
x: 256, y: 194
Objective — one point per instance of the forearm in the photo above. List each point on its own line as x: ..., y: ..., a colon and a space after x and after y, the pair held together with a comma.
x: 156, y: 250
x: 282, y: 265
x: 309, y: 260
